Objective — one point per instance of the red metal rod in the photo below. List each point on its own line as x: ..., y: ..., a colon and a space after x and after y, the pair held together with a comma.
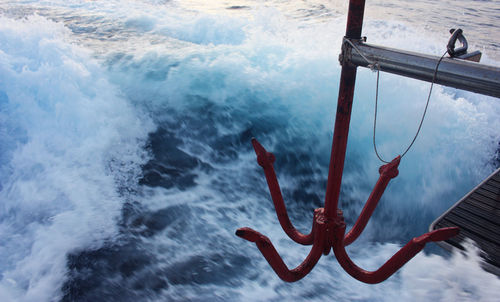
x: 266, y: 160
x: 399, y: 259
x: 273, y: 258
x: 355, y: 19
x: 387, y: 172
x: 343, y: 116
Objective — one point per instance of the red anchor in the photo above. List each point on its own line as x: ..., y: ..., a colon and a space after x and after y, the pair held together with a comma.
x: 328, y: 228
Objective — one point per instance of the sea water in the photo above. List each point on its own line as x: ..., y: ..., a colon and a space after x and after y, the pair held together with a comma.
x: 126, y: 164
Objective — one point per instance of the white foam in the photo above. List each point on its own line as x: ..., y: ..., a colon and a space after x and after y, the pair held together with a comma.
x: 459, y: 278
x: 290, y: 74
x: 71, y: 142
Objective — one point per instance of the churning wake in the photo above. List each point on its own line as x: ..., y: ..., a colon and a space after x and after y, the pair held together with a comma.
x: 126, y: 163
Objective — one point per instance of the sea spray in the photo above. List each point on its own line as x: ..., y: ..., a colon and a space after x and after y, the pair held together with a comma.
x: 70, y: 144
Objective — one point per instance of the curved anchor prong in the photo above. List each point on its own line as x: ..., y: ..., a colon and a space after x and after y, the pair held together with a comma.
x: 265, y: 160
x: 399, y: 259
x: 274, y: 259
x: 387, y: 172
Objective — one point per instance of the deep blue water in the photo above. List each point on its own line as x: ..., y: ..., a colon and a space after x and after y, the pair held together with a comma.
x: 126, y: 163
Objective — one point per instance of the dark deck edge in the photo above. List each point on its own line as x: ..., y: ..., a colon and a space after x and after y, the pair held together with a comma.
x: 447, y: 246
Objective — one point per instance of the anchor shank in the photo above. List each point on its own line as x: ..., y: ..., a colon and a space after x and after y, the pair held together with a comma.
x: 343, y: 116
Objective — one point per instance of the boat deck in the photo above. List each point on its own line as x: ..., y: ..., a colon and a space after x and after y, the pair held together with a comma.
x: 477, y: 215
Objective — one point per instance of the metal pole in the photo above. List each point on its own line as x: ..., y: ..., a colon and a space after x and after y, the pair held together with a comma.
x: 343, y: 116
x: 457, y: 73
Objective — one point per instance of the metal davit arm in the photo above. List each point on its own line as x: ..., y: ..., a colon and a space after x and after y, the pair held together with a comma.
x: 457, y: 73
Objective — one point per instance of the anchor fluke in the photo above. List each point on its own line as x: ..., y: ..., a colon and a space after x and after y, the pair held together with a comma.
x: 274, y: 259
x: 265, y: 160
x: 248, y: 234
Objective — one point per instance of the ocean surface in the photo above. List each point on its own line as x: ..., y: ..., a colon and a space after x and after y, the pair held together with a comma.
x: 126, y: 164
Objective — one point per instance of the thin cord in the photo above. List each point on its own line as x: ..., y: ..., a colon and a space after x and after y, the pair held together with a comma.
x: 374, y: 65
x: 375, y: 120
x: 421, y: 120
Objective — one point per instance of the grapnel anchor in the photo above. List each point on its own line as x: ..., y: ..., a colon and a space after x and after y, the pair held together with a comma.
x: 328, y: 226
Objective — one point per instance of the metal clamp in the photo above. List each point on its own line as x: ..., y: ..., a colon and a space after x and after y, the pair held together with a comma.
x: 345, y: 55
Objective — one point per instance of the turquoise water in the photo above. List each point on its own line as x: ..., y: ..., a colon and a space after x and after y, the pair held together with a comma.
x: 126, y: 163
